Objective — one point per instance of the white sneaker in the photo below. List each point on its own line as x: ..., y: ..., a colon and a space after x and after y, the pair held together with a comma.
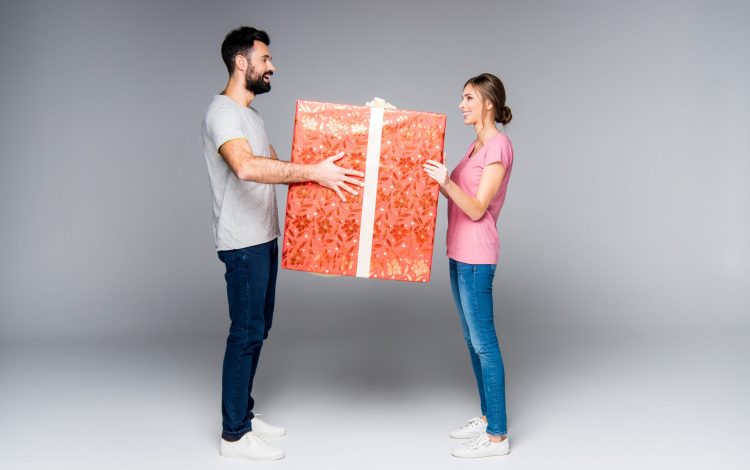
x: 482, y: 446
x: 266, y: 430
x: 250, y: 447
x: 473, y: 428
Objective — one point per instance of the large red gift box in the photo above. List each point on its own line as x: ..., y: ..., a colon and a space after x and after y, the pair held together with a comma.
x: 387, y: 231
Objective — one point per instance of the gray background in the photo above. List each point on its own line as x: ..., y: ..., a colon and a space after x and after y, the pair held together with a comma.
x: 628, y: 213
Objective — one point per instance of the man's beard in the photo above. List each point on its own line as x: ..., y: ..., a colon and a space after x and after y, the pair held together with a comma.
x: 256, y: 84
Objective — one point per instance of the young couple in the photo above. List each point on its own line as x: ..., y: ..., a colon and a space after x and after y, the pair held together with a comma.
x: 243, y: 168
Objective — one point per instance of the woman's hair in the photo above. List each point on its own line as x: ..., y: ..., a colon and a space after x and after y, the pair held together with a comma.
x: 491, y: 88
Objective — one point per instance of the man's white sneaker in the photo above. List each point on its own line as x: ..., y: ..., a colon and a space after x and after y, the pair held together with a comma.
x: 250, y: 447
x: 266, y: 430
x: 482, y: 446
x: 473, y: 428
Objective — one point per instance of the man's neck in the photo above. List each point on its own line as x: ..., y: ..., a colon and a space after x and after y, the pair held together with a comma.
x: 236, y: 91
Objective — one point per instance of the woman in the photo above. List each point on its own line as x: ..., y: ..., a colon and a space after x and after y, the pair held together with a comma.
x: 476, y: 191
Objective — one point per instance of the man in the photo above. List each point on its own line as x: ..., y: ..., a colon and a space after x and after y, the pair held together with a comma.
x: 242, y: 168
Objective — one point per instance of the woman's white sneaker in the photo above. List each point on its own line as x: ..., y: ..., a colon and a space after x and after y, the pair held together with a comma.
x: 266, y: 430
x: 473, y: 428
x: 482, y: 446
x: 250, y: 447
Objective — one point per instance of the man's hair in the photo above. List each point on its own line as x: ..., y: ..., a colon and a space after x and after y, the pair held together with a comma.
x: 240, y: 41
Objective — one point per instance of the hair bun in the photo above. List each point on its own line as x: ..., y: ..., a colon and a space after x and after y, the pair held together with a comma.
x: 504, y: 116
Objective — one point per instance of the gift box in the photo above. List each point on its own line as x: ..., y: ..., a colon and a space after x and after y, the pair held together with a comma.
x: 387, y: 231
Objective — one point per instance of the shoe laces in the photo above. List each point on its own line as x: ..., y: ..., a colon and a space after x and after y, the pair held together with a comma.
x: 254, y: 439
x: 474, y: 423
x: 478, y: 442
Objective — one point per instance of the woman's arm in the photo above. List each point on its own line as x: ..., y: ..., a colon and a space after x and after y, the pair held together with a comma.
x: 472, y: 206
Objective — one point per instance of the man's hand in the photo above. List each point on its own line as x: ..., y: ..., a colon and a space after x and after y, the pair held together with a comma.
x: 330, y: 175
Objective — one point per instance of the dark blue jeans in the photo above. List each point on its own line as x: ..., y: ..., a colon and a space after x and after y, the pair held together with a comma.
x: 251, y: 290
x: 471, y: 285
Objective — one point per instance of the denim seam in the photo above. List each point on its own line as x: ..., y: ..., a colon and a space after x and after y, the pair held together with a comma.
x: 244, y: 345
x: 474, y: 312
x: 474, y: 299
x: 475, y: 305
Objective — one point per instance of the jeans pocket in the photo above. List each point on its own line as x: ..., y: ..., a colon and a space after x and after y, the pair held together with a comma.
x: 234, y: 277
x: 232, y: 260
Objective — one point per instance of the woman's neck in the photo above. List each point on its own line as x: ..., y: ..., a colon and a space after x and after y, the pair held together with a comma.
x: 485, y: 131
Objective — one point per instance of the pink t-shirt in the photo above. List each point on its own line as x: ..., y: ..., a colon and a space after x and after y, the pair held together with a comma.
x: 477, y: 242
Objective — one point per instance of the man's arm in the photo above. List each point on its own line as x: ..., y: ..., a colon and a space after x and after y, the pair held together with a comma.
x: 246, y: 166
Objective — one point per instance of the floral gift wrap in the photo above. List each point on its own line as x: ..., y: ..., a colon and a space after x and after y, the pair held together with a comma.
x: 387, y: 231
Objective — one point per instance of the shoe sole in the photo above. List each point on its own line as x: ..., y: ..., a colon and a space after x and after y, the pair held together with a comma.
x: 479, y: 456
x: 473, y: 436
x: 254, y: 459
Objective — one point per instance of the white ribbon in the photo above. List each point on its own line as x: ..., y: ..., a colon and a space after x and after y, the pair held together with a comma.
x: 370, y: 192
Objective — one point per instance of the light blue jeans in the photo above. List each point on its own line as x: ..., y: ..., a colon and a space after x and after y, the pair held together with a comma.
x: 472, y: 291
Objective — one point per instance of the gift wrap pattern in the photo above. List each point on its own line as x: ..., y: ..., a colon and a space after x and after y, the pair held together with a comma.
x: 387, y: 231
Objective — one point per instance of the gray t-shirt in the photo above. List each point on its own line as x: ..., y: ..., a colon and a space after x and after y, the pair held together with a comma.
x: 244, y: 212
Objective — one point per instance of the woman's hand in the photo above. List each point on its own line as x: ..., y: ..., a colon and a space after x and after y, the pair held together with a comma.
x: 437, y: 171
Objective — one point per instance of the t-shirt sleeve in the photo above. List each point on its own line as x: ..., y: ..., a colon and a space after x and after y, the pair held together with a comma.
x: 223, y: 125
x: 499, y: 151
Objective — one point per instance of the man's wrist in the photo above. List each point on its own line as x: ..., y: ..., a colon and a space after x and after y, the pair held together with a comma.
x: 310, y: 172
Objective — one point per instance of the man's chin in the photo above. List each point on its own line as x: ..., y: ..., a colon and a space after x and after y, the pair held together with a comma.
x: 259, y: 89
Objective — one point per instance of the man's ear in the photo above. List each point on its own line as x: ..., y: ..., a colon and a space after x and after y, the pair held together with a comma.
x: 240, y: 62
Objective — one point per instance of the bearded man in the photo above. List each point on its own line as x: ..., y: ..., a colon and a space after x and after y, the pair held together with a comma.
x: 243, y: 168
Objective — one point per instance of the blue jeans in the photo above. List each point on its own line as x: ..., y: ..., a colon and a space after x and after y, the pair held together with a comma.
x: 251, y: 291
x: 471, y: 285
